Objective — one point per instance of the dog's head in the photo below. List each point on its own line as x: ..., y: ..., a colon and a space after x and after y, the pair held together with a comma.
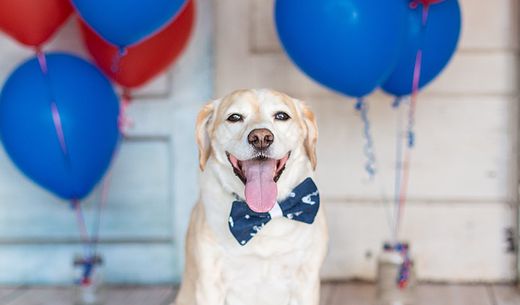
x: 254, y: 136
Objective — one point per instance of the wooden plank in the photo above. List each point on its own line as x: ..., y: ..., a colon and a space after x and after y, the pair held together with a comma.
x: 124, y: 263
x: 326, y: 291
x: 8, y: 293
x: 506, y: 294
x: 457, y: 156
x: 353, y: 294
x: 137, y: 295
x: 44, y: 296
x: 138, y: 200
x: 109, y: 295
x: 489, y: 25
x: 450, y: 241
x: 338, y: 293
x: 428, y: 294
x: 478, y: 73
x: 468, y: 72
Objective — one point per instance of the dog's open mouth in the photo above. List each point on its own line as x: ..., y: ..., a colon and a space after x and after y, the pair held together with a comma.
x: 259, y: 176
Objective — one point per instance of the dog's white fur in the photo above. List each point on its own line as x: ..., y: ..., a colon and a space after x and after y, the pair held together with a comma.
x: 281, y: 264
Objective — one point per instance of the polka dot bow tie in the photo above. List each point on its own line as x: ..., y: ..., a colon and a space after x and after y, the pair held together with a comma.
x: 302, y: 205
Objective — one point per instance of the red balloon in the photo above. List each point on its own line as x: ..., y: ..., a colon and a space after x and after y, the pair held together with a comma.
x: 33, y: 22
x: 143, y: 61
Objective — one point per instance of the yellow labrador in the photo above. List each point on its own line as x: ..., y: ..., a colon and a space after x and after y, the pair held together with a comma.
x: 257, y: 235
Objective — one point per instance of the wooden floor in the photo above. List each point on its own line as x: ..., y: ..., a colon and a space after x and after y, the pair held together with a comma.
x: 332, y: 294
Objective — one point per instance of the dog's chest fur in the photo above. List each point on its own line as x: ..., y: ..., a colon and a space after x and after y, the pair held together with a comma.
x: 268, y: 269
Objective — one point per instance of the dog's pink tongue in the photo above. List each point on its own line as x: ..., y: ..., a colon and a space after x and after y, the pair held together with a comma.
x: 261, y: 190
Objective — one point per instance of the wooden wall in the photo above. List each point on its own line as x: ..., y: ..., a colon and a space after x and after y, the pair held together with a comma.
x: 464, y: 168
x: 153, y: 185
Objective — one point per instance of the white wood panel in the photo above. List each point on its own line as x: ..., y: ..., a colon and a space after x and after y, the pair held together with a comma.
x: 450, y: 241
x: 138, y: 202
x: 489, y: 25
x: 468, y: 73
x: 479, y: 73
x: 124, y: 263
x: 464, y: 148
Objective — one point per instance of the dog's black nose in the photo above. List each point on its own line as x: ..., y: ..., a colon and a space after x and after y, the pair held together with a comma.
x: 260, y: 138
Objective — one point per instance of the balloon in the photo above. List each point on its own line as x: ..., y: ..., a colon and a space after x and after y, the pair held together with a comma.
x: 438, y: 41
x: 348, y: 45
x: 33, y: 22
x: 147, y: 59
x: 88, y: 110
x: 127, y: 22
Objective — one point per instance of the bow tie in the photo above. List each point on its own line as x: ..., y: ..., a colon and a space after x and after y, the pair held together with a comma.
x: 302, y: 205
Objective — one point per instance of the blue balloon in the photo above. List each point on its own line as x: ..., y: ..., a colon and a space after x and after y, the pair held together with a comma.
x: 350, y: 46
x: 88, y: 109
x: 127, y: 22
x: 438, y: 40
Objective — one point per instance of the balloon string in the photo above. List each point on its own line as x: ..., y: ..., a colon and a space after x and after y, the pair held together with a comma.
x: 42, y: 61
x: 124, y: 122
x: 413, y: 102
x: 88, y: 258
x: 88, y: 261
x: 370, y: 167
x: 56, y: 118
x: 403, y: 162
x: 105, y: 187
x: 59, y: 128
x: 425, y: 12
x: 398, y: 164
x: 403, y: 192
x: 76, y: 205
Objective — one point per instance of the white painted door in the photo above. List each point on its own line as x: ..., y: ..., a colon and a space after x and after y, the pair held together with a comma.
x: 463, y: 188
x: 153, y: 184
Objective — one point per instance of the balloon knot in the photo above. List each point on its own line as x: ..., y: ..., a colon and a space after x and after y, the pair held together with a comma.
x: 74, y: 204
x: 123, y: 51
x: 397, y: 102
x: 414, y: 4
x: 124, y: 122
x: 359, y: 105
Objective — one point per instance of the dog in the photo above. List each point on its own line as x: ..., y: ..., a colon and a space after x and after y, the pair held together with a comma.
x: 257, y: 150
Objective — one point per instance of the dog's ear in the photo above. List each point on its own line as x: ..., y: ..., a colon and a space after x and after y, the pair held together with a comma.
x: 311, y: 137
x: 202, y: 133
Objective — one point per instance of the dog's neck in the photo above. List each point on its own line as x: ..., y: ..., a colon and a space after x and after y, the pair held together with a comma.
x: 219, y: 186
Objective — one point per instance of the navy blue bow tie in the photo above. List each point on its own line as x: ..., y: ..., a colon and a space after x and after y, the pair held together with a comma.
x: 302, y: 204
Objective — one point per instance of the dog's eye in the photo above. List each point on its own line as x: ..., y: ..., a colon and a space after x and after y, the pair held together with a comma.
x: 235, y: 117
x: 281, y: 116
